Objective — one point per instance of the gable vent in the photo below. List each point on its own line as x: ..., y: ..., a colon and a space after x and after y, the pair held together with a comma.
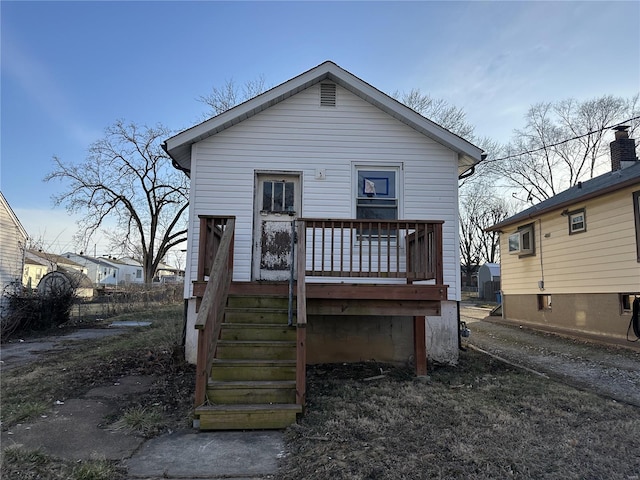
x: 327, y: 94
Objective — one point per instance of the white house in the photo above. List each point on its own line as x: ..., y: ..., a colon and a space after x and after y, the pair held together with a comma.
x: 325, y: 144
x: 100, y: 271
x: 13, y: 240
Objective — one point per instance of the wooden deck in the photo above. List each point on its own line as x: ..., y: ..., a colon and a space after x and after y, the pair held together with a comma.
x: 388, y: 259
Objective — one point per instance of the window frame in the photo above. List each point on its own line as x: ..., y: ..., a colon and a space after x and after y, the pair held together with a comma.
x: 391, y: 203
x: 576, y: 213
x: 544, y: 302
x: 519, y: 234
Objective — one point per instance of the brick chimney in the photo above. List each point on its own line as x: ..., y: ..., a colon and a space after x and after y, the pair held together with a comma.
x: 623, y: 149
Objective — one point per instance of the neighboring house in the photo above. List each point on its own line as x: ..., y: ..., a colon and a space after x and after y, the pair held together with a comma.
x: 99, y: 271
x: 489, y: 281
x: 168, y: 274
x: 39, y: 264
x: 572, y: 262
x: 34, y: 269
x: 372, y: 189
x: 129, y: 271
x: 13, y: 241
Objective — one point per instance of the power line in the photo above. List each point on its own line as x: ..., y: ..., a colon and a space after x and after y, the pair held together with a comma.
x: 508, y: 157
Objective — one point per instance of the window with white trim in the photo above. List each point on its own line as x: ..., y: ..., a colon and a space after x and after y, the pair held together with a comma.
x: 377, y: 193
x: 577, y: 221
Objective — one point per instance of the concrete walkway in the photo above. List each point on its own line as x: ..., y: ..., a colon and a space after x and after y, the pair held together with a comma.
x: 78, y: 429
x: 75, y: 431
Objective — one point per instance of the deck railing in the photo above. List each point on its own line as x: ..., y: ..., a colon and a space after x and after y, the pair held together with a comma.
x: 216, y: 262
x: 409, y: 249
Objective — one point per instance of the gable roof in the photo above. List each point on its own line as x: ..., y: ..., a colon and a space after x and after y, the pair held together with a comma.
x: 52, y: 258
x: 13, y: 217
x: 179, y: 146
x: 596, y: 187
x: 87, y: 259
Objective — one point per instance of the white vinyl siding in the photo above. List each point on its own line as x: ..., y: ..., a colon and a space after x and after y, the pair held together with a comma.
x: 600, y: 260
x: 13, y: 239
x: 301, y: 136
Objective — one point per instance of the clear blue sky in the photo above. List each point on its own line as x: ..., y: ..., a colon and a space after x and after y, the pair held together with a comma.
x: 70, y: 69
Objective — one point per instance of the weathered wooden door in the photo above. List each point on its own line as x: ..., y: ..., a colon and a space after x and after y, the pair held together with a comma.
x: 277, y: 205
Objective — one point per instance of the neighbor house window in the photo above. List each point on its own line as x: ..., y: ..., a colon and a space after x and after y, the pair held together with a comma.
x: 138, y: 273
x: 577, y: 221
x: 544, y: 302
x: 521, y: 242
x: 636, y: 215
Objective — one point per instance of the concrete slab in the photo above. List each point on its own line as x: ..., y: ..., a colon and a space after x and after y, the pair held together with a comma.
x: 129, y: 323
x: 209, y: 455
x: 71, y: 432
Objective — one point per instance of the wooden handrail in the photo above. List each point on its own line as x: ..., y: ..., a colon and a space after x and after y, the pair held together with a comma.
x: 211, y: 312
x: 301, y: 315
x: 405, y: 249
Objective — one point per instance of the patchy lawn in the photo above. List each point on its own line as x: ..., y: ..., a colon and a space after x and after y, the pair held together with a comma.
x: 479, y: 420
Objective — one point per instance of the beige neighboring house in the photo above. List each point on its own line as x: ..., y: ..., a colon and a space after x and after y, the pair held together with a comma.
x: 39, y: 264
x: 572, y: 262
x: 13, y: 240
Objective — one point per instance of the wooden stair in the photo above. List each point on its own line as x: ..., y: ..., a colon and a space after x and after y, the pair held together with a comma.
x: 252, y: 383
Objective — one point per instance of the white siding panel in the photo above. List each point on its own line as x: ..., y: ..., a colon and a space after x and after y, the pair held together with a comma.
x: 12, y: 244
x: 299, y: 135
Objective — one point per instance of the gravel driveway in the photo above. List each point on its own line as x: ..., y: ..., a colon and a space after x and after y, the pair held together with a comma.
x: 607, y: 370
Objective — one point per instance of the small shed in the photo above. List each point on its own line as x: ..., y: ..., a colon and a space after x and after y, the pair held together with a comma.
x: 489, y: 281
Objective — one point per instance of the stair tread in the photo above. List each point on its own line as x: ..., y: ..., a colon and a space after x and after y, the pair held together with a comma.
x: 252, y: 383
x: 258, y: 309
x: 253, y: 325
x: 282, y: 343
x: 253, y: 361
x: 254, y: 407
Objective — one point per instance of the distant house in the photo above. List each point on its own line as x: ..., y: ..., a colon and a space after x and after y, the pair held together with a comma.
x: 168, y: 274
x: 572, y: 262
x: 38, y: 265
x: 100, y: 271
x: 131, y: 271
x: 13, y: 242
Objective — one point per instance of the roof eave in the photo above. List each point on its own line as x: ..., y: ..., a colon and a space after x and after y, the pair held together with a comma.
x: 516, y: 219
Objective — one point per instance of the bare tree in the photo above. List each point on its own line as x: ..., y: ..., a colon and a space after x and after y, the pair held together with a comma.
x: 438, y: 110
x: 230, y: 94
x: 563, y: 143
x: 480, y: 208
x: 127, y: 177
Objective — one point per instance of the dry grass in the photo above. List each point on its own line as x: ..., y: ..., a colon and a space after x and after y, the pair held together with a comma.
x: 480, y: 420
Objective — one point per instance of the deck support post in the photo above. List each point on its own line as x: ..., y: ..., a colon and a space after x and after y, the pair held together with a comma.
x: 420, y: 345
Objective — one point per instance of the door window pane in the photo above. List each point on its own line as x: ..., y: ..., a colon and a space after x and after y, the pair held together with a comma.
x: 278, y: 196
